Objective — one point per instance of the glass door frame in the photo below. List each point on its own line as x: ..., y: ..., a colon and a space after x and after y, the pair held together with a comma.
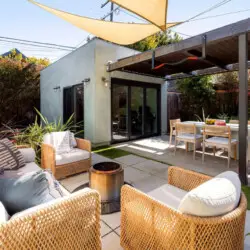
x: 145, y: 86
x: 72, y: 88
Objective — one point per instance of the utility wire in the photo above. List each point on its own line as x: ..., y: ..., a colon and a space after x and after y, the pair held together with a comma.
x: 209, y: 9
x: 40, y: 43
x: 34, y: 45
x: 219, y: 15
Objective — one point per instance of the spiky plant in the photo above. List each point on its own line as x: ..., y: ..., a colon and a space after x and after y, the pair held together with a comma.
x: 33, y: 135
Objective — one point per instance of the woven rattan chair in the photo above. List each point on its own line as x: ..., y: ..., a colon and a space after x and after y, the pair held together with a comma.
x: 186, y: 132
x: 219, y: 137
x: 149, y: 224
x: 71, y: 223
x: 48, y: 160
x: 172, y: 129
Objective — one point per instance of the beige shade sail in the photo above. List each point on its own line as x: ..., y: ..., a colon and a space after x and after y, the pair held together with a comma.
x: 155, y: 11
x: 120, y: 33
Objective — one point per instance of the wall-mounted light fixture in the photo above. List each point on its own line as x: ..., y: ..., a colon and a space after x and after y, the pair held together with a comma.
x: 105, y: 81
x: 86, y: 81
x: 57, y: 89
x: 108, y: 65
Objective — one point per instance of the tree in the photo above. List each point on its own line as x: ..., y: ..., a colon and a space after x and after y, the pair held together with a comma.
x: 197, y: 94
x: 157, y: 40
x: 19, y: 90
x: 14, y: 55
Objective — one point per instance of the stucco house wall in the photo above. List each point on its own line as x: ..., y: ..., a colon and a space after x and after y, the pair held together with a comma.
x: 88, y: 61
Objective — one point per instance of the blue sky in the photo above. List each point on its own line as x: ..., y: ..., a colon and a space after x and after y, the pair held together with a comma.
x: 23, y: 20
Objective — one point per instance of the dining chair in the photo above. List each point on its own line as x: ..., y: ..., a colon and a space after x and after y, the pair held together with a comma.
x: 219, y: 137
x: 234, y: 121
x: 237, y: 122
x: 172, y: 129
x: 186, y: 132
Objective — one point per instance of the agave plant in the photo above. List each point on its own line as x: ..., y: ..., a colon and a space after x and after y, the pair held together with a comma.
x: 223, y: 116
x: 204, y: 118
x: 34, y: 133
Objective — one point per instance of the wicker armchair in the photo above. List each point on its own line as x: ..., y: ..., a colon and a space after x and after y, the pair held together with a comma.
x: 48, y: 160
x: 71, y: 223
x: 149, y: 224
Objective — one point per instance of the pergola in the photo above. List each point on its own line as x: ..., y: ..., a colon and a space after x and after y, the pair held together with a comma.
x: 217, y: 51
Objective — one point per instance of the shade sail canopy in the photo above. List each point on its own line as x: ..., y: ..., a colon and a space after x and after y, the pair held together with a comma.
x: 155, y: 11
x: 116, y: 32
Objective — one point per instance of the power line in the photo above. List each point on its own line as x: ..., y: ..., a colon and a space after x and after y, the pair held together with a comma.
x: 41, y: 44
x: 219, y: 15
x: 34, y: 45
x: 209, y: 9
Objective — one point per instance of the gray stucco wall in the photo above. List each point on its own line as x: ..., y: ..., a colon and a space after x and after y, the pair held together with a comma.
x: 69, y: 70
x: 89, y: 61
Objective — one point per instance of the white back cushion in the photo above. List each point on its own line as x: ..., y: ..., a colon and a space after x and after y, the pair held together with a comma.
x: 47, y: 139
x: 73, y: 142
x: 29, y: 154
x: 61, y: 141
x: 4, y: 217
x: 215, y: 197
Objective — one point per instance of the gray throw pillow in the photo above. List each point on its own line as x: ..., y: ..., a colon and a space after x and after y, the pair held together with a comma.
x: 18, y: 193
x: 10, y: 157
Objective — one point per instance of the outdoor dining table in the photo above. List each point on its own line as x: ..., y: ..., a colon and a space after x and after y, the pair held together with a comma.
x: 234, y: 132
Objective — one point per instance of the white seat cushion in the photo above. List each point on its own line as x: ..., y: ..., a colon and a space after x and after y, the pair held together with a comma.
x: 220, y: 140
x: 215, y: 197
x: 4, y: 217
x: 189, y: 136
x: 73, y: 155
x: 169, y: 195
x: 29, y: 167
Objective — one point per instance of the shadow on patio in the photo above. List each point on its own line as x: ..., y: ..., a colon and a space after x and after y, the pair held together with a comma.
x: 157, y: 148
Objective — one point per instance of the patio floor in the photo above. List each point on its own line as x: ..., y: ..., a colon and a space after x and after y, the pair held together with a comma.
x: 158, y: 149
x: 144, y: 175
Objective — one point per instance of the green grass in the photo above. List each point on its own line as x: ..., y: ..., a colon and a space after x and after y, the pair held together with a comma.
x: 246, y: 190
x: 110, y: 152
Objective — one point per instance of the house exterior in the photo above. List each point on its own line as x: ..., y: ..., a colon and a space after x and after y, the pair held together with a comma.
x: 115, y: 107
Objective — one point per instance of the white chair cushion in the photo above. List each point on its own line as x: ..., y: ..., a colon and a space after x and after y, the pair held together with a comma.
x: 73, y: 142
x: 29, y: 154
x: 189, y: 136
x: 220, y: 140
x: 48, y: 139
x: 61, y: 141
x: 29, y: 167
x: 215, y: 197
x: 169, y: 195
x: 73, y: 155
x: 4, y: 217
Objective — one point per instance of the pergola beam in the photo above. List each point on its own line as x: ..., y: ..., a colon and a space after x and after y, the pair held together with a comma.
x: 219, y: 34
x: 243, y: 107
x: 208, y: 59
x: 209, y: 71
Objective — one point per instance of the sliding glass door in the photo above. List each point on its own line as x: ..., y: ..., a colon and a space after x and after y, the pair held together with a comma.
x: 135, y: 110
x: 120, y: 112
x: 73, y: 103
x: 151, y: 111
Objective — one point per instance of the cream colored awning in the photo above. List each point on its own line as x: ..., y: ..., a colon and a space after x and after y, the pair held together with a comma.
x: 155, y: 11
x: 120, y: 33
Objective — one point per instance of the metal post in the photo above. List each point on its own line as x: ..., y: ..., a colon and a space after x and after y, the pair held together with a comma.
x: 112, y: 12
x: 243, y: 107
